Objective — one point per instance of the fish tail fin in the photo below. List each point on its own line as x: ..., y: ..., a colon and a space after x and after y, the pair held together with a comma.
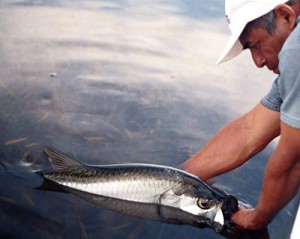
x: 60, y: 161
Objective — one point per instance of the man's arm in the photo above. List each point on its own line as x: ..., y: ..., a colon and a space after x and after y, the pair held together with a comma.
x: 235, y: 143
x: 281, y: 181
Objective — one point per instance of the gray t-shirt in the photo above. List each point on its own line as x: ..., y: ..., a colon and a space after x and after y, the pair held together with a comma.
x: 284, y: 95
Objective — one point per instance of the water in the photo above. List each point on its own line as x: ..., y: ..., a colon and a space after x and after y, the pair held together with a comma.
x: 114, y: 82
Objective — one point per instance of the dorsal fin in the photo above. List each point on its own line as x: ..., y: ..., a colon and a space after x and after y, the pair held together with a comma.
x: 60, y: 161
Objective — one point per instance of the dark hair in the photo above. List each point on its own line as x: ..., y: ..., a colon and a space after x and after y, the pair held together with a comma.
x: 267, y: 21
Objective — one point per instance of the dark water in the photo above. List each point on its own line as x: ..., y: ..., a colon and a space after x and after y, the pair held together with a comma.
x: 116, y: 81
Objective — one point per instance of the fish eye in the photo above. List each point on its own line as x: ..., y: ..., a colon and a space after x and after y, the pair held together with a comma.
x: 205, y: 203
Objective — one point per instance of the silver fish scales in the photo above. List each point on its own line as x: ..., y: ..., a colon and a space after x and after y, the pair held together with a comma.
x: 121, y: 187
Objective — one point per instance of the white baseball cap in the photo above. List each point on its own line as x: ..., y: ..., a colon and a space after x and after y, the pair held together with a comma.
x: 238, y: 14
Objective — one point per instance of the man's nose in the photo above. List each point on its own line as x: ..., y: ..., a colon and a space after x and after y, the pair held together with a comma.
x: 258, y: 59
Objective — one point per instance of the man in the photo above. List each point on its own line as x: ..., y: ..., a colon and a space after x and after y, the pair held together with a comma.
x: 268, y: 28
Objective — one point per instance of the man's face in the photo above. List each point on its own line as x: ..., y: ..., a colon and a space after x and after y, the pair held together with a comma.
x: 264, y: 47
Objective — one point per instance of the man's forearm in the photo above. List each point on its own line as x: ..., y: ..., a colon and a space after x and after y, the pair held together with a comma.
x: 282, y: 176
x: 281, y: 182
x: 227, y: 150
x: 235, y: 143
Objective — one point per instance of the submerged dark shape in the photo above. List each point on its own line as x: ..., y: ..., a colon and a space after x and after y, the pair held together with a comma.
x: 150, y: 191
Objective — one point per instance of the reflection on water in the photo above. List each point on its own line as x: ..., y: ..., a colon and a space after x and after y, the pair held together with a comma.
x: 116, y: 81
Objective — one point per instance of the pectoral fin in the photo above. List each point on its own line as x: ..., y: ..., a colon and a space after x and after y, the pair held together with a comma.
x: 169, y: 198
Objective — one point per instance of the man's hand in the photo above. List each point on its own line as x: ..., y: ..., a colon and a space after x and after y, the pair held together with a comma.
x: 280, y: 185
x: 249, y: 219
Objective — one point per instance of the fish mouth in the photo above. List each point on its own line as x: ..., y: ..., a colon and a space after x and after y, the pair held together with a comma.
x: 219, y: 217
x: 224, y: 212
x: 229, y: 206
x: 218, y: 221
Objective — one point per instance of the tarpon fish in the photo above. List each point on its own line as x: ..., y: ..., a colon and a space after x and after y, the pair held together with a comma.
x: 145, y: 190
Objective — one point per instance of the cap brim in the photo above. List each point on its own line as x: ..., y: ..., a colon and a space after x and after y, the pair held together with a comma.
x: 233, y: 47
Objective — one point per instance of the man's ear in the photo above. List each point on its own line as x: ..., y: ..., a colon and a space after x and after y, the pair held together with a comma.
x: 284, y: 13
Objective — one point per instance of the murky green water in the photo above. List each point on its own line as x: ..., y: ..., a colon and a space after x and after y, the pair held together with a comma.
x: 116, y: 81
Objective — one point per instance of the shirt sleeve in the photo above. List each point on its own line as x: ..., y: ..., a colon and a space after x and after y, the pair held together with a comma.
x: 289, y: 85
x: 272, y: 100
